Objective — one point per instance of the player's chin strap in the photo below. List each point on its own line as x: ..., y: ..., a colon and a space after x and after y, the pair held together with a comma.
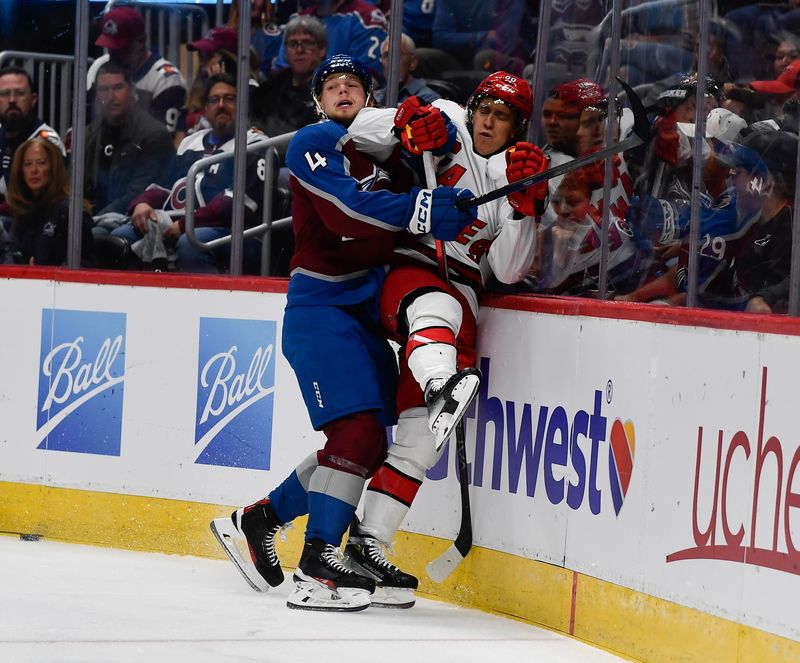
x: 441, y: 567
x: 639, y: 135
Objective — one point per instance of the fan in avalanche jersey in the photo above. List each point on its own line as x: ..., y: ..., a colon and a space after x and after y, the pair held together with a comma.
x: 345, y: 222
x: 435, y: 321
x: 160, y: 88
x: 212, y: 188
x: 353, y: 26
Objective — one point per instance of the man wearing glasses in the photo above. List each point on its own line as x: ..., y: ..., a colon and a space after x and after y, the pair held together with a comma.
x: 18, y: 120
x: 283, y: 102
x: 157, y: 214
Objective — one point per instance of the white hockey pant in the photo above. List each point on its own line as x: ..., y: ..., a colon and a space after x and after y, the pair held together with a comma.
x: 411, y: 453
x: 432, y: 359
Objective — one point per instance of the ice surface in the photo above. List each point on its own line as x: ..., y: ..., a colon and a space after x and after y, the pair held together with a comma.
x: 65, y: 603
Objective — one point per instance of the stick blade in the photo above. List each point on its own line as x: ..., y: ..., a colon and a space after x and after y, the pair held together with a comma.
x: 440, y: 568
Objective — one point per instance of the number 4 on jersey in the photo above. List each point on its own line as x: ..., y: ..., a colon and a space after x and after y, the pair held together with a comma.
x: 316, y: 161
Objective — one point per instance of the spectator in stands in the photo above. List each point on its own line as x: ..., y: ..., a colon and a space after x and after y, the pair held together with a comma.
x: 157, y: 214
x: 467, y: 29
x: 18, y: 120
x: 38, y: 194
x: 742, y: 101
x: 786, y: 52
x: 776, y: 92
x: 573, y: 241
x: 418, y: 21
x: 667, y: 169
x: 267, y: 18
x: 283, y: 102
x: 355, y: 27
x: 126, y: 149
x: 218, y: 54
x: 663, y: 225
x: 756, y: 265
x: 160, y: 88
x: 409, y: 84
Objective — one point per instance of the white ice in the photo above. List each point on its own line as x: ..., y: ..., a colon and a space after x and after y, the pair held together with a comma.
x: 66, y: 603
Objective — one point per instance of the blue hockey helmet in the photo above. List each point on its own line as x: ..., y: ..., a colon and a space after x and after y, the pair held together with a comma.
x: 340, y: 64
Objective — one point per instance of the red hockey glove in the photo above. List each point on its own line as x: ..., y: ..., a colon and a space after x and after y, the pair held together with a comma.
x: 421, y: 128
x: 524, y: 160
x: 665, y: 146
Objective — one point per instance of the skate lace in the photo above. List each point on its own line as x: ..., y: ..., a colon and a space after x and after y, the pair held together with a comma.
x: 376, y: 554
x: 269, y: 545
x: 331, y: 556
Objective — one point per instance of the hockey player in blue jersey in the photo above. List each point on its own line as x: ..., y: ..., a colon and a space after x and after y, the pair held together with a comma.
x: 345, y: 220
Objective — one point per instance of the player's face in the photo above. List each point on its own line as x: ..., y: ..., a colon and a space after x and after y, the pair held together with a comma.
x: 493, y: 124
x: 591, y: 132
x: 16, y: 98
x: 560, y: 122
x: 36, y: 169
x: 221, y: 108
x: 304, y: 53
x: 114, y: 95
x: 342, y: 97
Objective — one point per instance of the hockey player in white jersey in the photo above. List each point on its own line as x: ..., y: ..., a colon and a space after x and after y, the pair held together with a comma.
x: 435, y: 321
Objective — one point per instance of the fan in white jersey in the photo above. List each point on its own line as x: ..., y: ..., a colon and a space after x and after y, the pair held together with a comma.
x: 435, y: 321
x: 160, y: 88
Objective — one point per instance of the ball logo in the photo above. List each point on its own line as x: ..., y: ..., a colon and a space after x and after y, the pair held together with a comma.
x: 81, y: 374
x: 235, y: 392
x: 620, y: 460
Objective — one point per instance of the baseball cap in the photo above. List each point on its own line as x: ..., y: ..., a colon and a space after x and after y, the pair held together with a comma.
x: 216, y: 39
x: 721, y: 124
x: 120, y: 27
x: 786, y: 83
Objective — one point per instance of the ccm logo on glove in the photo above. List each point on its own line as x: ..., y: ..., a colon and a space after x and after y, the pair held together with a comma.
x: 434, y: 211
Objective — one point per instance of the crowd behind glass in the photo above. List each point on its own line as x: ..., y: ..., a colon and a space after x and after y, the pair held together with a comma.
x: 623, y: 232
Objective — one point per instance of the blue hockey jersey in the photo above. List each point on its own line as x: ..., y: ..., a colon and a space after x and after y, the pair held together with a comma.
x: 357, y: 28
x: 345, y: 218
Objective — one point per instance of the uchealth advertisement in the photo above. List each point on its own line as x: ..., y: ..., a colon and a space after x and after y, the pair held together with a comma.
x: 663, y: 458
x: 659, y: 457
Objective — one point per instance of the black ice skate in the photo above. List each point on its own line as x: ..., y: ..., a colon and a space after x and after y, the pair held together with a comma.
x: 393, y: 587
x: 447, y: 400
x: 323, y: 582
x: 254, y: 526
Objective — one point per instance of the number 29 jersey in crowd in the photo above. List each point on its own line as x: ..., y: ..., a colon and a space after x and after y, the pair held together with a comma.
x: 495, y: 242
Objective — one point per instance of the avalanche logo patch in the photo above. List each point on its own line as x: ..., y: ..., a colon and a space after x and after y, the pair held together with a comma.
x: 81, y: 381
x: 622, y: 448
x: 235, y: 392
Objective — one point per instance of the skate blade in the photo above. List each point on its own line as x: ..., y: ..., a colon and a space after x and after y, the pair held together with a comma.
x: 393, y: 597
x: 228, y: 537
x: 311, y: 595
x: 463, y: 393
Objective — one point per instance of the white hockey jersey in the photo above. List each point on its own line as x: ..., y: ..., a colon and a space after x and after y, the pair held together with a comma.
x: 495, y: 243
x: 160, y: 88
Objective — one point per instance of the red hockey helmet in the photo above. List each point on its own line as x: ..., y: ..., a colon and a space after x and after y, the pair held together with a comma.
x: 582, y: 93
x: 512, y: 90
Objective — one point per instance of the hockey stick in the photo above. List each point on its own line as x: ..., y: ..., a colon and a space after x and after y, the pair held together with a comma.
x: 639, y: 135
x: 443, y: 566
